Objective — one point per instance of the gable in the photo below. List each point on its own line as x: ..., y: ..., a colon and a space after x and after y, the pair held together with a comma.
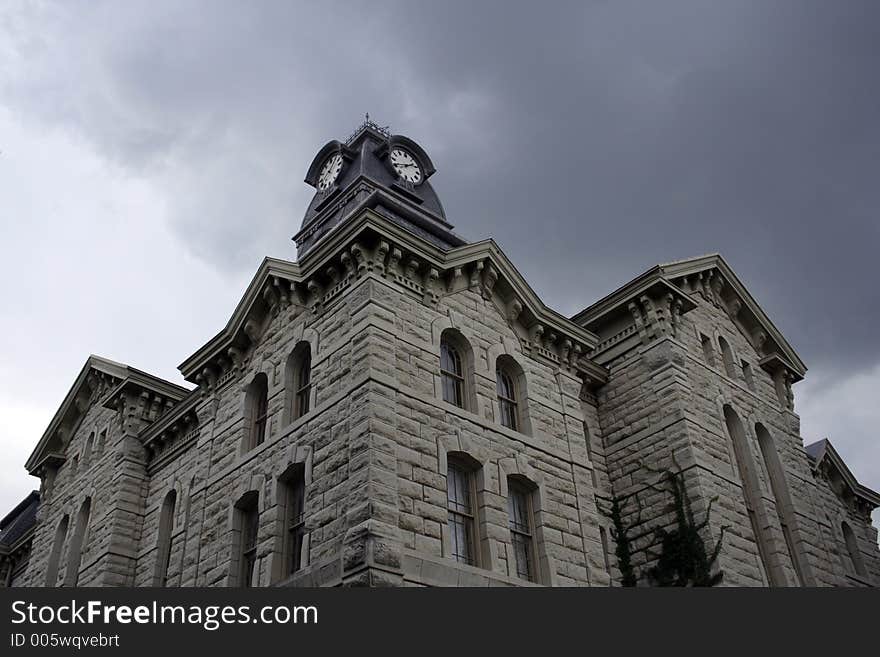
x: 98, y: 379
x: 712, y: 279
x: 368, y: 245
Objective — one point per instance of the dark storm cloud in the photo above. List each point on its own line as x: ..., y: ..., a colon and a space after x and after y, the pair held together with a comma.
x: 592, y: 140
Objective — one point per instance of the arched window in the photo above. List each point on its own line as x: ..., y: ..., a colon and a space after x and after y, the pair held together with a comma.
x: 293, y: 500
x: 298, y: 382
x: 752, y: 494
x: 256, y: 411
x: 520, y: 515
x: 781, y: 495
x: 163, y: 543
x: 456, y: 369
x: 461, y: 498
x: 80, y: 532
x: 507, y: 398
x: 102, y: 442
x: 245, y: 532
x: 727, y: 357
x: 87, y: 450
x: 74, y: 467
x: 55, y: 555
x: 852, y: 547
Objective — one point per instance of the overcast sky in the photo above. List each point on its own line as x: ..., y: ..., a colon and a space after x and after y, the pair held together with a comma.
x: 151, y: 154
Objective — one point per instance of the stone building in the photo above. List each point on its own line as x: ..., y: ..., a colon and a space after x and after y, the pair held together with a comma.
x: 398, y: 407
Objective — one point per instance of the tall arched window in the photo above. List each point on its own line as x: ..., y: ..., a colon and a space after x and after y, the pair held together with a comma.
x: 163, y: 543
x: 256, y: 411
x: 727, y: 357
x: 298, y: 382
x: 293, y: 498
x: 456, y: 369
x: 507, y: 399
x: 461, y: 506
x: 852, y: 547
x: 510, y: 391
x: 781, y: 495
x: 80, y: 533
x: 87, y: 450
x: 55, y: 555
x: 752, y: 494
x: 520, y: 516
x: 245, y: 532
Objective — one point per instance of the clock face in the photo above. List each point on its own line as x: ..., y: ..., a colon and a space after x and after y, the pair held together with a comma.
x: 406, y: 166
x: 330, y: 171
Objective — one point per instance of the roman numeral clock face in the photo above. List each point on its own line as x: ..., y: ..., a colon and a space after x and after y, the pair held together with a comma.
x: 329, y: 172
x: 406, y: 166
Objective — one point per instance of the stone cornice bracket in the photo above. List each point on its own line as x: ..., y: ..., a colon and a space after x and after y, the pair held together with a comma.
x: 282, y: 289
x: 476, y: 274
x: 394, y: 262
x: 380, y: 255
x: 348, y: 264
x: 759, y: 337
x: 639, y: 321
x: 252, y: 330
x: 717, y: 285
x: 456, y: 281
x: 431, y: 296
x: 357, y: 252
x: 655, y: 323
x: 514, y: 308
x: 315, y: 290
x: 237, y: 357
x: 412, y: 268
x: 564, y: 351
x: 332, y: 273
x: 490, y: 277
x: 270, y: 297
x: 538, y: 335
x: 733, y: 308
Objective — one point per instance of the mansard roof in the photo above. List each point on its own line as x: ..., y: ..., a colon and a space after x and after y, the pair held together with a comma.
x: 823, y: 454
x: 711, y: 277
x: 372, y: 241
x: 99, y: 379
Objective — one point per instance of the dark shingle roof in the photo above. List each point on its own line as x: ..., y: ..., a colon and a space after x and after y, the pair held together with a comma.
x: 20, y: 520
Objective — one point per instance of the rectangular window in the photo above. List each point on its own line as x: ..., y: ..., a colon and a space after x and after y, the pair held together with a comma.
x: 296, y: 525
x: 250, y: 528
x: 519, y: 514
x: 461, y: 515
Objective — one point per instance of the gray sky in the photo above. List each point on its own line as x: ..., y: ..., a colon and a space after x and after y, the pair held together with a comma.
x: 153, y: 153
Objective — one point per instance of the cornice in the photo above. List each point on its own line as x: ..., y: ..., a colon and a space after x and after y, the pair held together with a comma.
x: 372, y: 243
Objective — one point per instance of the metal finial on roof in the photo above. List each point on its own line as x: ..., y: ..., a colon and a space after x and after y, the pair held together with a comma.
x: 368, y: 123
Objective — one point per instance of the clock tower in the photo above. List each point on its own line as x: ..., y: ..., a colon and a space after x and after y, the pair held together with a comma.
x: 377, y: 170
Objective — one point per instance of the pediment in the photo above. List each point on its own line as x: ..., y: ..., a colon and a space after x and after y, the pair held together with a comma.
x: 708, y: 277
x: 96, y: 382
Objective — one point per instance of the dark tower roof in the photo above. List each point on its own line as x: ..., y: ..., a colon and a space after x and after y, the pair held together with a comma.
x: 367, y: 179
